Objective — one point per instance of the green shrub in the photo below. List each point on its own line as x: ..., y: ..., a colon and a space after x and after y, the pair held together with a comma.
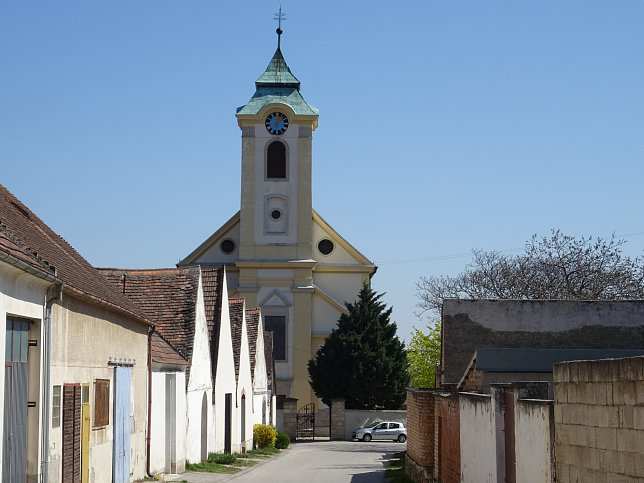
x: 221, y: 458
x: 263, y: 435
x: 282, y: 440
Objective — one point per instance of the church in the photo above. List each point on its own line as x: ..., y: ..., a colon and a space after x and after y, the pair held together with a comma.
x: 281, y: 255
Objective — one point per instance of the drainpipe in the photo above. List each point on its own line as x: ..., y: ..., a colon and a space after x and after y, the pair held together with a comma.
x: 58, y: 297
x: 147, y: 438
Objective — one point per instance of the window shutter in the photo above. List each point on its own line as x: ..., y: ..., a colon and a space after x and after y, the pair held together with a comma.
x: 101, y: 402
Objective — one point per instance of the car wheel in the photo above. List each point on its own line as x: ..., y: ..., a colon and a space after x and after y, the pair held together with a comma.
x: 366, y: 438
x: 402, y: 438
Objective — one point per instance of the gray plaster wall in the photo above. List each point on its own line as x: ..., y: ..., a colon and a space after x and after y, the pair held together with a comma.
x: 470, y: 324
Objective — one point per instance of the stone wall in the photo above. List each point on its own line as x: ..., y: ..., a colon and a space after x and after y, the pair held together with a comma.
x: 338, y: 412
x: 289, y: 417
x: 599, y: 420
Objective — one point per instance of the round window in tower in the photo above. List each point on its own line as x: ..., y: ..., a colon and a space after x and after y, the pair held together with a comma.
x: 276, y: 214
x: 227, y: 246
x: 325, y: 246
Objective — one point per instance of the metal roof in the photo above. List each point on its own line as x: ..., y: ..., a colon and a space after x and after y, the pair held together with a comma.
x: 277, y: 85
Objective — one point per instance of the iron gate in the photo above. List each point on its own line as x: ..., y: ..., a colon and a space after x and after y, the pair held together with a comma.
x: 306, y: 422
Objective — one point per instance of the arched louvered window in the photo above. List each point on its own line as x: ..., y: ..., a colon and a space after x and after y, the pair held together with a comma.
x: 276, y: 161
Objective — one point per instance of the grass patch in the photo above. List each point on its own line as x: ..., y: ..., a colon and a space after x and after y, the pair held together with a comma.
x: 395, y: 472
x: 245, y: 462
x: 258, y: 453
x: 211, y: 468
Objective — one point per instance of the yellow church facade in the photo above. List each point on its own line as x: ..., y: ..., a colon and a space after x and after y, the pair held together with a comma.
x: 282, y: 256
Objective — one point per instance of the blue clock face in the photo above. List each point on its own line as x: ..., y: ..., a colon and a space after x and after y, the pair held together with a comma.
x: 276, y: 123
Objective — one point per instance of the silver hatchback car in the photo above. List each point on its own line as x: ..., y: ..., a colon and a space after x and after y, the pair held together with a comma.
x: 391, y: 430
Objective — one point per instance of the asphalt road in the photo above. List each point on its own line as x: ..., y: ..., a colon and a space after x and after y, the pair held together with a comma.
x: 316, y: 462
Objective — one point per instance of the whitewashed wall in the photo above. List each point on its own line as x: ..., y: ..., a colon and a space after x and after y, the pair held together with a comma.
x: 533, y: 421
x: 244, y: 439
x: 478, y: 438
x: 260, y: 380
x: 168, y: 452
x: 225, y: 378
x: 200, y: 388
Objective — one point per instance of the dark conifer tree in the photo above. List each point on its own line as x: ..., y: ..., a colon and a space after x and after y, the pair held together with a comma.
x: 362, y: 360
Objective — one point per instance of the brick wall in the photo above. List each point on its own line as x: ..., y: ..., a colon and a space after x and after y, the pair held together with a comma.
x: 447, y: 454
x: 420, y: 426
x: 473, y: 381
x: 599, y: 420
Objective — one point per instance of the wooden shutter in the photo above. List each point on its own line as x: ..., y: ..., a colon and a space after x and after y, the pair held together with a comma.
x: 101, y: 402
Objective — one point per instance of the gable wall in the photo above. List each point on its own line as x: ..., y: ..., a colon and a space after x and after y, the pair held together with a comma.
x: 199, y: 385
x: 225, y: 377
x: 340, y: 286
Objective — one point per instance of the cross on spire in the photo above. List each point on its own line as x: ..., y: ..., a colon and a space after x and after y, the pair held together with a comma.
x: 279, y: 16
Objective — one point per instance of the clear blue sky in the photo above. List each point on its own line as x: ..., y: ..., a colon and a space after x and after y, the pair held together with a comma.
x: 443, y: 125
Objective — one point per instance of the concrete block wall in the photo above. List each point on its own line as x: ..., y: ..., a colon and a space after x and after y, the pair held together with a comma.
x: 599, y: 420
x: 420, y: 434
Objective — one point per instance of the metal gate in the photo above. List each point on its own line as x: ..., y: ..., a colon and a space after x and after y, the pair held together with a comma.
x: 306, y: 422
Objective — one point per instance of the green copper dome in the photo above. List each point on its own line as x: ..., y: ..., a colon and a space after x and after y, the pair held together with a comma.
x: 277, y: 85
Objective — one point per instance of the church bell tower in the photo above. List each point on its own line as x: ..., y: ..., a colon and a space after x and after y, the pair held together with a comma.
x: 277, y: 126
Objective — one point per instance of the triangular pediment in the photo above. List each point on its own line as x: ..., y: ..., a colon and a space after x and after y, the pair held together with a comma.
x: 275, y: 299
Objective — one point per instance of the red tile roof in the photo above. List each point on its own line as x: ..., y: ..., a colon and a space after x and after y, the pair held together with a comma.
x: 162, y: 352
x: 270, y: 361
x: 236, y: 307
x: 168, y: 296
x: 252, y: 326
x: 212, y: 283
x: 27, y: 238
